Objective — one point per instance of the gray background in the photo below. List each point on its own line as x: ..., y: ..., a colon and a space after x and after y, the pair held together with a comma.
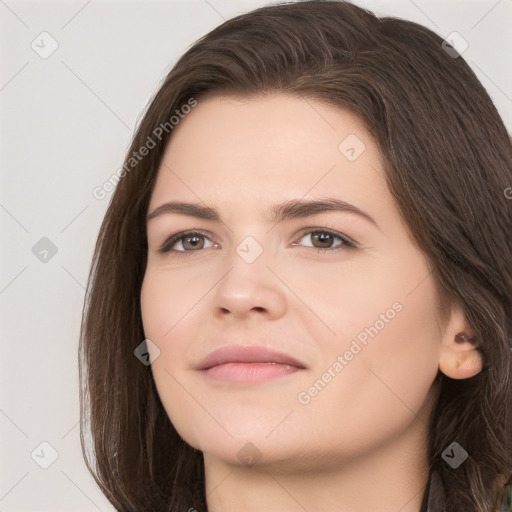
x: 66, y: 123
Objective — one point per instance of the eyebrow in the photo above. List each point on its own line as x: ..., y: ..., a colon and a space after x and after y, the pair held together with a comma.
x: 292, y: 209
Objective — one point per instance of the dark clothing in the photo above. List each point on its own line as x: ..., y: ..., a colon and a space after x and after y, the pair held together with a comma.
x: 434, y: 497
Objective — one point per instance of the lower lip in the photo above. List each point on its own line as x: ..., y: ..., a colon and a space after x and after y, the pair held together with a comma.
x: 249, y: 372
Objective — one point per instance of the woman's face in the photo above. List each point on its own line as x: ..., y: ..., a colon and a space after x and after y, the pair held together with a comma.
x: 359, y: 322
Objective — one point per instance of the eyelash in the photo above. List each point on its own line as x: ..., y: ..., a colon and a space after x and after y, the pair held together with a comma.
x: 166, y: 247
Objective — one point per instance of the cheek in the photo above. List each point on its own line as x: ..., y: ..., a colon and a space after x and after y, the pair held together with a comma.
x: 167, y: 303
x: 386, y: 330
x: 152, y: 302
x: 385, y: 385
x: 160, y: 320
x: 171, y: 321
x: 398, y: 363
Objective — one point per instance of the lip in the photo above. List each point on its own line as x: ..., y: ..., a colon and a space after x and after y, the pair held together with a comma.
x: 248, y: 364
x: 247, y: 354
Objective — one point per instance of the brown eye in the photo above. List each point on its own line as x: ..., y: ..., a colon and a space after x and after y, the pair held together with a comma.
x: 190, y: 241
x: 323, y: 239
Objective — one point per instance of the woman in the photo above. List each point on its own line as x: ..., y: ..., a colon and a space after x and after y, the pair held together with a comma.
x: 310, y: 243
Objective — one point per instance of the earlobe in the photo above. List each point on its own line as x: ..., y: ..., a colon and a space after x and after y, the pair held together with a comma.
x: 460, y: 359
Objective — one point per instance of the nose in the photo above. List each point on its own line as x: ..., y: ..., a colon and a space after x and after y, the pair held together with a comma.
x: 250, y: 288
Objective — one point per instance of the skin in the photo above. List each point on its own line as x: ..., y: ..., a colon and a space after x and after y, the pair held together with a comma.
x: 366, y: 428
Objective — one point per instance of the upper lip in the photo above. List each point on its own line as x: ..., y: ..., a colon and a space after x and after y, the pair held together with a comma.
x: 246, y: 354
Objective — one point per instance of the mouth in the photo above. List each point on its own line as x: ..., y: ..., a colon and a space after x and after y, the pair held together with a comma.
x: 238, y: 363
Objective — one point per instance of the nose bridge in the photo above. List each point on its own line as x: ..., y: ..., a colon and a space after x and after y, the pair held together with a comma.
x: 253, y: 239
x: 248, y: 284
x: 248, y: 262
x: 251, y: 249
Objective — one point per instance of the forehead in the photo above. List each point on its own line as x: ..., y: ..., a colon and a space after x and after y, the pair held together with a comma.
x: 229, y: 146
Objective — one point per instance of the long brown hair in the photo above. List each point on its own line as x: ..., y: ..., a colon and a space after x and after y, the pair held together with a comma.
x: 448, y: 162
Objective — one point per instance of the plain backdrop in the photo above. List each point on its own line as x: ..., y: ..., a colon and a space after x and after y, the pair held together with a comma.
x: 66, y: 122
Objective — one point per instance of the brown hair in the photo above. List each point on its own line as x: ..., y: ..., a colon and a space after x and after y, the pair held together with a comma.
x: 448, y: 163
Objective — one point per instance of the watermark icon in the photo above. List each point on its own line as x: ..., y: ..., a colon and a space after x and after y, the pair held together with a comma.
x: 152, y: 140
x: 508, y: 192
x: 351, y: 147
x: 249, y: 454
x: 147, y: 352
x: 454, y: 455
x: 44, y: 250
x: 304, y: 397
x: 44, y: 455
x: 454, y: 45
x: 249, y: 249
x: 44, y: 45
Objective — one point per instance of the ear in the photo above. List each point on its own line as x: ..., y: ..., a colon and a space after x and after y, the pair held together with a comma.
x: 460, y: 357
